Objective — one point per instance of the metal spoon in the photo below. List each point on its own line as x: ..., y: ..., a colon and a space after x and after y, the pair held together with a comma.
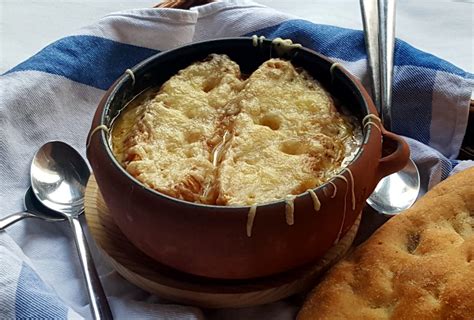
x: 399, y: 190
x: 58, y: 178
x: 34, y: 209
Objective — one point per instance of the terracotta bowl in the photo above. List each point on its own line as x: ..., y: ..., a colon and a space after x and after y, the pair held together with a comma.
x: 211, y: 241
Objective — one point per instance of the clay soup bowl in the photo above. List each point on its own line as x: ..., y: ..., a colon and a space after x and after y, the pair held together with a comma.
x: 211, y: 241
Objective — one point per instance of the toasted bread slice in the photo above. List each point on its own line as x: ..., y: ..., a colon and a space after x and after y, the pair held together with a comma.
x: 287, y: 137
x: 163, y: 142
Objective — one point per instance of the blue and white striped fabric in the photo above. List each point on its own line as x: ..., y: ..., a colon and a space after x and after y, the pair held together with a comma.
x: 53, y: 95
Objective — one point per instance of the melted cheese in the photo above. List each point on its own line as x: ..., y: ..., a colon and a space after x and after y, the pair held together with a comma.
x: 333, y: 67
x: 256, y: 40
x: 209, y: 136
x: 288, y: 137
x: 284, y: 46
x: 352, y: 187
x: 250, y: 219
x: 316, y: 202
x: 345, y: 206
x: 131, y: 74
x: 220, y: 149
x: 340, y: 176
x: 96, y: 129
x: 372, y: 119
x: 165, y: 139
x: 334, y: 189
x: 290, y: 209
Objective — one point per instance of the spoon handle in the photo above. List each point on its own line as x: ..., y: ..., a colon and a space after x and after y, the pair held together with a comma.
x: 386, y: 19
x: 369, y: 10
x: 11, y: 219
x: 99, y: 306
x: 378, y: 17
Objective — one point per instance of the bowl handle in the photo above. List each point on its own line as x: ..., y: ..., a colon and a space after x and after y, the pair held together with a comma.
x: 395, y: 153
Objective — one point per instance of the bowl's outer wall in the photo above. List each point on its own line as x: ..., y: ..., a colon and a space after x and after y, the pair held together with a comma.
x: 211, y: 241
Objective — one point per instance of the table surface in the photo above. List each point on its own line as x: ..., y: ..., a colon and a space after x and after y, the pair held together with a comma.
x: 442, y: 27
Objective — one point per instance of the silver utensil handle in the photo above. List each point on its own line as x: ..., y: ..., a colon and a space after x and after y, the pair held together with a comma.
x: 387, y: 43
x: 11, y: 219
x: 378, y: 17
x: 99, y: 306
x: 369, y: 11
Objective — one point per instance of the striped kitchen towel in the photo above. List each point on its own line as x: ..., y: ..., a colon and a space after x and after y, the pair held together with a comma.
x: 53, y: 96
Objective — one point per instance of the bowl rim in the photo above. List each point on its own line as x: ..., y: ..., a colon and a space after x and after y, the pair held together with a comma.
x: 104, y: 141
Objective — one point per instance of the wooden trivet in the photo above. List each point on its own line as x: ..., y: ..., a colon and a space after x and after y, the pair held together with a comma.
x: 174, y: 285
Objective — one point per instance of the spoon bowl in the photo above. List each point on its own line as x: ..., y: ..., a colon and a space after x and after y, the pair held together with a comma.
x: 33, y: 209
x: 396, y: 192
x: 37, y: 210
x: 59, y: 176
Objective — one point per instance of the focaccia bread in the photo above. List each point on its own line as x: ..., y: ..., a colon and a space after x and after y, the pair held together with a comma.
x: 419, y: 265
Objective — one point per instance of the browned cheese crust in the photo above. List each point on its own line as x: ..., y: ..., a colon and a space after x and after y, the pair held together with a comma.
x: 419, y: 265
x: 209, y: 136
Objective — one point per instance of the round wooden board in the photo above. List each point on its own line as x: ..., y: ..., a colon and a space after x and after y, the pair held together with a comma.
x: 174, y: 285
